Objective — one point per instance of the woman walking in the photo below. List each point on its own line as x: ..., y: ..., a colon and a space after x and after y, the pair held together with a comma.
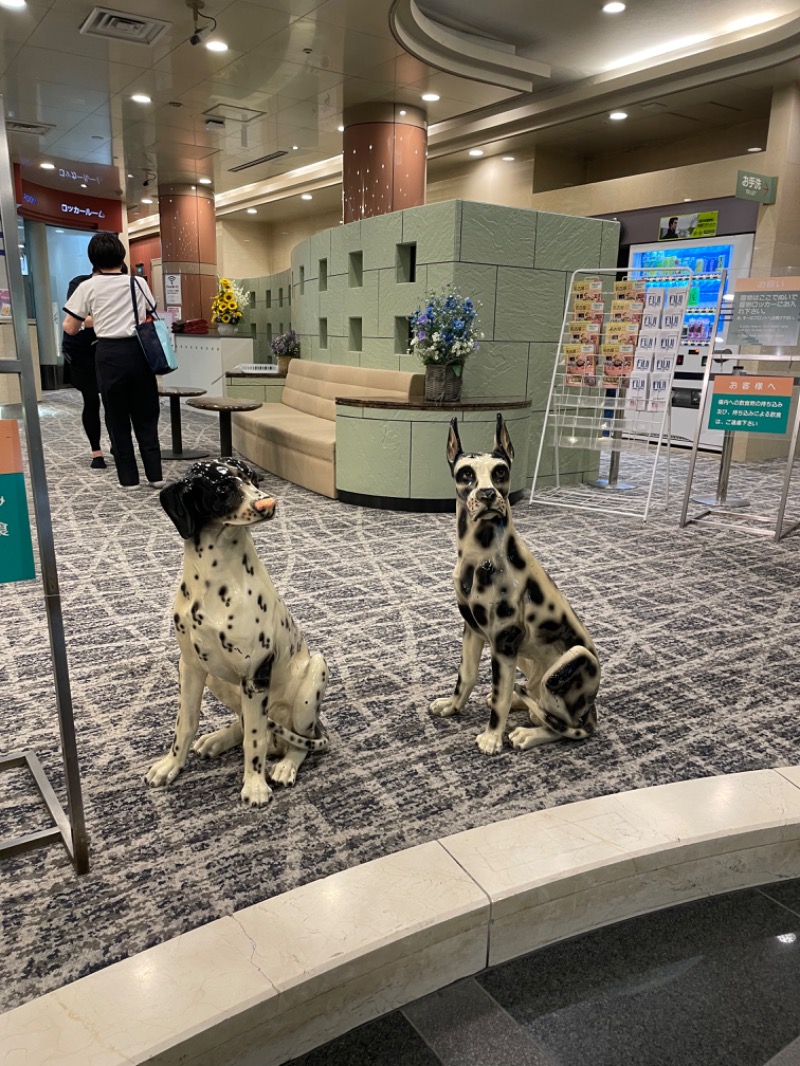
x: 78, y: 352
x: 127, y: 385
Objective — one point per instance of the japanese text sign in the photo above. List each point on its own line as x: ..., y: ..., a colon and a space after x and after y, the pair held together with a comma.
x: 765, y: 311
x: 758, y: 187
x: 750, y: 404
x: 16, y: 548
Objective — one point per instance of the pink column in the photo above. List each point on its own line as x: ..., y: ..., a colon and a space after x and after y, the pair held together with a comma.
x: 384, y: 161
x: 189, y: 244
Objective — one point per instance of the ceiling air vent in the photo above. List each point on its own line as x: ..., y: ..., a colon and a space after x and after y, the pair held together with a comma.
x: 38, y: 129
x: 257, y: 162
x: 121, y: 26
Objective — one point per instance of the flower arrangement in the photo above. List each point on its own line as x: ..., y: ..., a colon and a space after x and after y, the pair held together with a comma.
x: 226, y: 307
x: 286, y: 344
x: 443, y: 332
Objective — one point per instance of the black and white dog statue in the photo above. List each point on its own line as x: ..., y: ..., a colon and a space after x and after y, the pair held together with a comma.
x: 508, y: 602
x: 237, y: 636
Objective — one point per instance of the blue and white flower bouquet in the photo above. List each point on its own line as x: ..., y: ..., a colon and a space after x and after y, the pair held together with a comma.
x: 444, y: 330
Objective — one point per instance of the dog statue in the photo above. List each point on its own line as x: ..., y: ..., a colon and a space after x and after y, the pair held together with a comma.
x: 508, y: 602
x: 237, y: 636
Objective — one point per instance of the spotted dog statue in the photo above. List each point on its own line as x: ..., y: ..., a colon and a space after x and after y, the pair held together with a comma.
x: 508, y: 602
x: 237, y: 636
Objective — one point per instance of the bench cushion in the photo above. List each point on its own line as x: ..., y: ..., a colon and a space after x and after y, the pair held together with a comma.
x: 291, y: 428
x: 314, y: 387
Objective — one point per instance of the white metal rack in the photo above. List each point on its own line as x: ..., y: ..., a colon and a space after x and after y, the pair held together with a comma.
x: 611, y: 385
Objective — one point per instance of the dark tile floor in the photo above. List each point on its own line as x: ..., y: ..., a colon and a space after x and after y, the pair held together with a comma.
x: 714, y: 983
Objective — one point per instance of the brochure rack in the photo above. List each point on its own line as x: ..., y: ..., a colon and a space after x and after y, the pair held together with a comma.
x: 70, y: 828
x: 611, y: 386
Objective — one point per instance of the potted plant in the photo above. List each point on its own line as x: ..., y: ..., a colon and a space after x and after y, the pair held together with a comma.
x: 285, y: 346
x: 226, y: 307
x: 443, y: 334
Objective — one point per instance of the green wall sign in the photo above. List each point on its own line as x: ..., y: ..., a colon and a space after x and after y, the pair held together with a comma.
x: 16, y: 549
x: 750, y: 186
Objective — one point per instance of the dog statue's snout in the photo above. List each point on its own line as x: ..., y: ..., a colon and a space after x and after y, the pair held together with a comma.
x: 266, y: 504
x: 486, y: 495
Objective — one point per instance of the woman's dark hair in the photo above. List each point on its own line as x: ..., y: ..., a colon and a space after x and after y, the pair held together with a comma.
x: 106, y: 251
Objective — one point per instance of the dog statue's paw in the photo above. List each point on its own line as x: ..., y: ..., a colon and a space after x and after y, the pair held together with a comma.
x: 522, y: 738
x: 490, y: 743
x: 256, y: 791
x: 164, y: 771
x: 283, y: 772
x: 212, y: 744
x: 444, y: 707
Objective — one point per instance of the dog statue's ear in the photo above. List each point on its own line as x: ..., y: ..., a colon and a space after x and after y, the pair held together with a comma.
x: 177, y: 500
x: 454, y: 449
x: 503, y: 448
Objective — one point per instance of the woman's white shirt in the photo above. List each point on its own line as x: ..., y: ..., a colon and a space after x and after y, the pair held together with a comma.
x: 107, y: 298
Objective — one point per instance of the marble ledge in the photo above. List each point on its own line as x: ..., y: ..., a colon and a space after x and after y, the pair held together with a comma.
x: 281, y: 977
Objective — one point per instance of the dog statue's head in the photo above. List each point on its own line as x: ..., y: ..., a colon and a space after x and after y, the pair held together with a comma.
x: 483, y: 481
x: 221, y: 492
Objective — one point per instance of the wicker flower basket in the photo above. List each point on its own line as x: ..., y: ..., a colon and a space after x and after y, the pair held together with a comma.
x: 283, y: 364
x: 442, y: 384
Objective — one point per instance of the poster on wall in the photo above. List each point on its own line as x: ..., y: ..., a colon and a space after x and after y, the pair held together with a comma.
x: 688, y: 227
x: 172, y: 290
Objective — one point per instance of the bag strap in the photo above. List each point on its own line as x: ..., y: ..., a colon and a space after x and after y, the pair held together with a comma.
x: 151, y: 308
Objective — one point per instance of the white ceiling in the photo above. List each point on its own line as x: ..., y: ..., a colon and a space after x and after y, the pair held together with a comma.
x: 298, y: 63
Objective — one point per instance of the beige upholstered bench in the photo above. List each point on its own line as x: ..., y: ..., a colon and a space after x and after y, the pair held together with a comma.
x: 296, y: 438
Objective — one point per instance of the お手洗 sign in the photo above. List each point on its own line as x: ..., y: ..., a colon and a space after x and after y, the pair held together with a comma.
x: 750, y: 404
x: 16, y: 549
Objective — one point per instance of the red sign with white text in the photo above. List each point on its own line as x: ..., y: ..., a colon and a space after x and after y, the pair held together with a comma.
x: 69, y: 209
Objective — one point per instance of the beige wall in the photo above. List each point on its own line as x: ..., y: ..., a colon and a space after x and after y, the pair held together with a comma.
x: 257, y: 249
x: 489, y: 181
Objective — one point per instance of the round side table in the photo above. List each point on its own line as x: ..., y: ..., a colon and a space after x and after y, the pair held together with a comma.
x: 225, y: 406
x: 174, y: 394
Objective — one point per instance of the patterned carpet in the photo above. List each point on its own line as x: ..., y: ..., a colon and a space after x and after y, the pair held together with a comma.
x: 698, y: 631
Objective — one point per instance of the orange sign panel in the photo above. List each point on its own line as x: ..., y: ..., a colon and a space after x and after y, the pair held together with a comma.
x: 731, y: 385
x: 10, y: 450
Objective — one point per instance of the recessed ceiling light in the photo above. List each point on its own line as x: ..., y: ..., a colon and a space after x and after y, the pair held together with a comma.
x: 141, y: 98
x: 204, y: 181
x: 430, y: 98
x: 476, y: 152
x: 403, y: 112
x: 47, y: 166
x: 13, y: 5
x: 294, y: 147
x: 59, y: 231
x: 613, y: 7
x: 687, y: 199
x: 754, y: 149
x: 252, y: 211
x: 306, y: 196
x: 618, y: 116
x: 507, y: 158
x: 145, y: 200
x: 84, y: 185
x: 340, y: 129
x: 216, y: 46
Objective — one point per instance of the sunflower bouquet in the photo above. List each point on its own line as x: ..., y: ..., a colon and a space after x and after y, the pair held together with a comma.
x: 226, y: 307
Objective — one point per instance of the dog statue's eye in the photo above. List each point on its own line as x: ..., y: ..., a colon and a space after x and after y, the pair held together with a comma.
x: 500, y: 473
x: 465, y: 475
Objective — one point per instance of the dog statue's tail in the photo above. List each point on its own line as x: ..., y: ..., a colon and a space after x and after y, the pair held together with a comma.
x: 319, y: 742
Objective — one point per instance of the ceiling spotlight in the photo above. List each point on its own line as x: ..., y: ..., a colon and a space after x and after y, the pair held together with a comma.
x: 618, y: 116
x: 295, y: 147
x: 204, y: 181
x: 403, y: 112
x: 306, y: 196
x: 216, y: 46
x: 13, y: 5
x: 130, y: 175
x: 430, y: 98
x: 252, y: 211
x: 145, y: 200
x: 754, y: 149
x: 141, y: 98
x: 613, y: 7
x: 476, y: 152
x: 507, y: 158
x: 47, y: 166
x: 340, y: 129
